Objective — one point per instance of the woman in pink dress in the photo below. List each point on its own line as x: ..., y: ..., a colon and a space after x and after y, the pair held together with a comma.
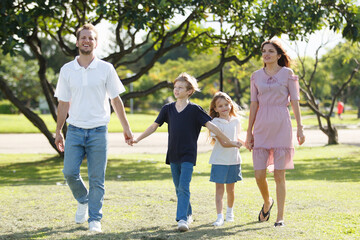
x: 269, y: 133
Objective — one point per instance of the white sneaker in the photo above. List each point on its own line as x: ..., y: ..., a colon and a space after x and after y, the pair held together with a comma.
x: 229, y: 217
x: 218, y: 222
x: 81, y: 213
x: 183, y: 226
x: 189, y: 219
x: 95, y: 226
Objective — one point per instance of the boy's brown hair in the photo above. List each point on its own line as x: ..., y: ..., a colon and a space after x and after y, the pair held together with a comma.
x: 87, y: 26
x: 191, y: 82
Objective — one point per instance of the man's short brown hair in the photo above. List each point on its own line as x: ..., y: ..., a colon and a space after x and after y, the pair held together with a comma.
x: 87, y: 26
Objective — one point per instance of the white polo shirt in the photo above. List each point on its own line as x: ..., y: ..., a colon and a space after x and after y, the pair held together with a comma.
x: 221, y: 155
x: 88, y: 91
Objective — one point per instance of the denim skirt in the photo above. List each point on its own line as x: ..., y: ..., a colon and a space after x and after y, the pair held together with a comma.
x: 225, y: 173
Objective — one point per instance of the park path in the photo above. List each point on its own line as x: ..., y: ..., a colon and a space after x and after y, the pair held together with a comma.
x: 155, y: 143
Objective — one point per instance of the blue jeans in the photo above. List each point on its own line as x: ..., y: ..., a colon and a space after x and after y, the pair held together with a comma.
x: 181, y: 173
x: 91, y: 143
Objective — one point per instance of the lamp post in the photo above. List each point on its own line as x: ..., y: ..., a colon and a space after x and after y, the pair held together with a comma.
x: 221, y: 87
x: 129, y: 75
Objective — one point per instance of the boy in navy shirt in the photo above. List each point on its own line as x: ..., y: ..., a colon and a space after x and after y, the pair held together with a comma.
x: 184, y: 120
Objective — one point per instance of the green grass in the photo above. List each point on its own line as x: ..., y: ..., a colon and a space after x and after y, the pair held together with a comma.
x: 12, y: 123
x: 323, y: 199
x: 348, y: 119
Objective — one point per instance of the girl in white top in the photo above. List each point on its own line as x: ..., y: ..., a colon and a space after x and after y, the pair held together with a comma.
x: 225, y: 162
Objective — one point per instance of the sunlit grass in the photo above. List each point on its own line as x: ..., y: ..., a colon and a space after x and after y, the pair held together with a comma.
x: 323, y: 199
x: 11, y: 123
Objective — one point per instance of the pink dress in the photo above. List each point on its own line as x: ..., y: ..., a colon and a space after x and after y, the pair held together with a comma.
x: 273, y: 146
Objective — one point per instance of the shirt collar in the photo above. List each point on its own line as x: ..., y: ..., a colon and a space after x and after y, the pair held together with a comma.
x: 232, y: 118
x: 93, y: 63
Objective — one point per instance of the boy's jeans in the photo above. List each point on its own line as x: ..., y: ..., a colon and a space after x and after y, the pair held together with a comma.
x: 92, y: 143
x: 181, y: 173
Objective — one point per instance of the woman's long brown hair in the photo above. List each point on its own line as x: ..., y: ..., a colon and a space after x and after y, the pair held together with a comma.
x: 284, y: 60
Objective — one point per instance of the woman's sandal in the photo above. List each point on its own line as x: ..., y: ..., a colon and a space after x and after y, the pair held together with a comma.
x: 279, y: 224
x: 266, y: 216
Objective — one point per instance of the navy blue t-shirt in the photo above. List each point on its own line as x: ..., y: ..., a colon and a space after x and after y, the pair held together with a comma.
x: 184, y: 129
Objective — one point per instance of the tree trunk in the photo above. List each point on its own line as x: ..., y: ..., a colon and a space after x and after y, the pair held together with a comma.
x: 237, y: 90
x: 35, y: 119
x: 332, y: 134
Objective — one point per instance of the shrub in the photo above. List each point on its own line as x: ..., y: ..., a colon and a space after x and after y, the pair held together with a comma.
x: 6, y: 107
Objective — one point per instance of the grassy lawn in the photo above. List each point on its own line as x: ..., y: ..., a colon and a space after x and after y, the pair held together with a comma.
x: 348, y: 119
x: 323, y: 199
x: 11, y: 123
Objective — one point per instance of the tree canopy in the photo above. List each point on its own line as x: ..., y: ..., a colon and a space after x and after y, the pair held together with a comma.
x: 245, y: 25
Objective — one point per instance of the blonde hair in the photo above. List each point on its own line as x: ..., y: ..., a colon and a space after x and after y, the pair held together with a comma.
x: 191, y: 82
x: 234, y: 111
x: 87, y: 26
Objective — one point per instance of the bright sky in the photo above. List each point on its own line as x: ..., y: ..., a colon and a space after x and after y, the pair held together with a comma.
x: 324, y: 37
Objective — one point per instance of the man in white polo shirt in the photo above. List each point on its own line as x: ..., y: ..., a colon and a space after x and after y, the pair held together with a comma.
x: 83, y: 91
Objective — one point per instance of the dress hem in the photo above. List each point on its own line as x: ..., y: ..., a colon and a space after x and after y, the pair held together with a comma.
x: 280, y: 158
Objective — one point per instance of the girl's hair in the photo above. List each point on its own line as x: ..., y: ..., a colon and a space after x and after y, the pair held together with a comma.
x: 87, y: 26
x: 234, y: 107
x: 284, y: 59
x: 191, y: 82
x: 234, y: 111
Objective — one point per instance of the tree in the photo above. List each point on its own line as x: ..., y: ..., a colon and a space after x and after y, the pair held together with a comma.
x: 21, y: 77
x: 308, y: 80
x: 340, y: 62
x: 25, y: 23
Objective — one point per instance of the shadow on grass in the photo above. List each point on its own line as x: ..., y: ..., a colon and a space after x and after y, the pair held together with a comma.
x: 44, y: 172
x: 136, y: 170
x: 205, y: 231
x: 330, y: 169
x: 48, y: 171
x: 42, y: 233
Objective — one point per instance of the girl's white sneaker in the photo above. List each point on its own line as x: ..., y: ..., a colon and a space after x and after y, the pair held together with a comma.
x: 218, y: 222
x: 229, y: 217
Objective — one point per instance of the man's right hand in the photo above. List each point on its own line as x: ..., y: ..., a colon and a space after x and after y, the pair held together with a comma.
x: 59, y: 142
x: 129, y: 136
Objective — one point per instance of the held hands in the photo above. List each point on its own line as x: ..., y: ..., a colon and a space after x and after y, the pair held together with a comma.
x: 249, y: 142
x: 129, y: 137
x: 300, y: 135
x: 236, y: 144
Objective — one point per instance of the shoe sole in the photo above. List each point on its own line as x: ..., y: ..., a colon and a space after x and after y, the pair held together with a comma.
x: 81, y: 222
x: 183, y: 229
x: 217, y: 225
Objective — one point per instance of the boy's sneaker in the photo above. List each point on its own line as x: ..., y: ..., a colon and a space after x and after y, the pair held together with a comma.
x: 189, y: 219
x: 229, y: 217
x: 95, y: 226
x: 218, y: 222
x: 183, y: 226
x: 81, y: 213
